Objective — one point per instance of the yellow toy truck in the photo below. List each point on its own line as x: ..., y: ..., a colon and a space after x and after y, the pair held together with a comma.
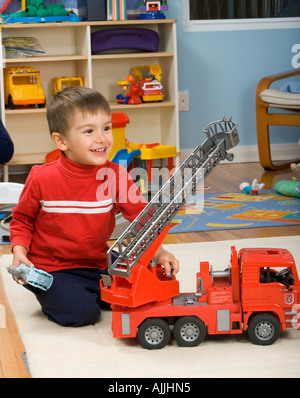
x: 59, y: 83
x: 22, y: 86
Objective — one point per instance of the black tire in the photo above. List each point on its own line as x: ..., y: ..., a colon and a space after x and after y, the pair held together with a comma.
x: 154, y: 333
x: 10, y: 102
x: 42, y: 105
x: 264, y: 329
x: 189, y: 331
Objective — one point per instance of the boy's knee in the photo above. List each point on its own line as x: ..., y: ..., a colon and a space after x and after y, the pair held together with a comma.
x: 77, y: 317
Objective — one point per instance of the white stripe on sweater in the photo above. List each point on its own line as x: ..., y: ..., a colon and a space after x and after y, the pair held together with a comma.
x: 77, y: 207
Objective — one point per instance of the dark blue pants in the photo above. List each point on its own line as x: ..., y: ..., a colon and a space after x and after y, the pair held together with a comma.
x: 74, y: 297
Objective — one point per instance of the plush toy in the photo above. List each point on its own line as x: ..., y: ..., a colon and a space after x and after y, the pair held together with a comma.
x: 37, y: 8
x: 290, y: 188
x: 252, y: 189
x: 296, y: 171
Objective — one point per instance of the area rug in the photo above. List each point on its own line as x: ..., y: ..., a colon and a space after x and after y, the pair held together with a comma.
x: 216, y: 211
x: 53, y: 351
x: 237, y: 210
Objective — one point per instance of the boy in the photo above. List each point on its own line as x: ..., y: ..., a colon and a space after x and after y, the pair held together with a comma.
x: 66, y: 212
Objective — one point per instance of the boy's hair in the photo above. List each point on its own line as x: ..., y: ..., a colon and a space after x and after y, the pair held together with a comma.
x: 63, y: 105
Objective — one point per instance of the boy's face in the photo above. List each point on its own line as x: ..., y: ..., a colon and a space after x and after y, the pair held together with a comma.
x: 89, y: 140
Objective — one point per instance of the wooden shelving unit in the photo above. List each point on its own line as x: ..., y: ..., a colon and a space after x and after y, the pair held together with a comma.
x: 67, y: 49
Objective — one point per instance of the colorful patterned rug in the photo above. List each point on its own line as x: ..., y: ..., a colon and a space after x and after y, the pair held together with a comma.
x: 238, y: 210
x: 221, y: 211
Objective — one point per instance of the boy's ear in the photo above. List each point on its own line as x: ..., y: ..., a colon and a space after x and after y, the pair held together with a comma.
x: 59, y: 141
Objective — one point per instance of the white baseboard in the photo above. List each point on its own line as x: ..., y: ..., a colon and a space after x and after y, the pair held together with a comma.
x: 249, y: 153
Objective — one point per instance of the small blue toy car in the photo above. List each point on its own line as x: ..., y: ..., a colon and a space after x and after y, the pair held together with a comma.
x: 31, y: 275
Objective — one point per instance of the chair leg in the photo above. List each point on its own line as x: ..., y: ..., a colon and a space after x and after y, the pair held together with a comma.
x: 263, y: 141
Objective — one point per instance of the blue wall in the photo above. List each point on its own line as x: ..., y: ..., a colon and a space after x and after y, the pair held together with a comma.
x: 221, y: 71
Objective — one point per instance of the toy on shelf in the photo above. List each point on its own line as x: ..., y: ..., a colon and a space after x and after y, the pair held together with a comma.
x: 252, y: 189
x: 144, y: 85
x: 134, y: 93
x: 22, y: 86
x: 149, y: 78
x: 122, y: 98
x: 31, y: 275
x: 258, y: 292
x: 153, y: 9
x: 59, y: 83
x: 35, y: 11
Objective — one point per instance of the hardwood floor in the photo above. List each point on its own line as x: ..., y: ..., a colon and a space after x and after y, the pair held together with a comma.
x: 225, y: 178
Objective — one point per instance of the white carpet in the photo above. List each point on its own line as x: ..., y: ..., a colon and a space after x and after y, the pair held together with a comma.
x: 55, y: 351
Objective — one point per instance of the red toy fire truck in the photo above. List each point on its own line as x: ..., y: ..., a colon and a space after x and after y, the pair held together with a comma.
x: 259, y: 291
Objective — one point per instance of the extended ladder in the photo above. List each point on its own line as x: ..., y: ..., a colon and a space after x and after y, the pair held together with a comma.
x: 221, y: 135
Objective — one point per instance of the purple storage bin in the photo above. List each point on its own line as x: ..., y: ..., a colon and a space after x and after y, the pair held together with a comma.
x: 125, y: 38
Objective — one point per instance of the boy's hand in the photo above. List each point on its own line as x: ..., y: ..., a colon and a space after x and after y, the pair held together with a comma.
x: 167, y: 260
x: 20, y: 256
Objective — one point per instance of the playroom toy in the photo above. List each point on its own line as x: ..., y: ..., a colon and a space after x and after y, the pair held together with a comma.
x: 290, y: 188
x: 152, y: 152
x: 259, y: 291
x: 135, y: 92
x: 149, y: 77
x: 22, y: 86
x: 31, y: 275
x: 153, y: 9
x: 152, y: 91
x: 35, y: 11
x: 59, y: 83
x: 122, y: 98
x: 143, y: 85
x: 252, y: 189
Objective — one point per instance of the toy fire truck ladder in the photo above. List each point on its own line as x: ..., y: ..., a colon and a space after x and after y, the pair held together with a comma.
x: 221, y: 135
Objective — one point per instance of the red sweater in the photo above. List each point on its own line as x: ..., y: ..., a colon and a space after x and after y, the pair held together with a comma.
x: 66, y: 213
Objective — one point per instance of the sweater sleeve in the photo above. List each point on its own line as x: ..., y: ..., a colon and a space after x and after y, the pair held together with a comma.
x: 24, y: 214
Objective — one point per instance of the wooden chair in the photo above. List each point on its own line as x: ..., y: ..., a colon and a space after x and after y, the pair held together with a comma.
x: 267, y: 98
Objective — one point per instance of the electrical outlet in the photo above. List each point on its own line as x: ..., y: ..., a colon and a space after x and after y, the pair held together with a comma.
x: 184, y: 101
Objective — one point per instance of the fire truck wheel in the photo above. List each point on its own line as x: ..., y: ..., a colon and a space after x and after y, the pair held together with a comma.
x: 154, y: 333
x: 264, y: 329
x: 189, y: 331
